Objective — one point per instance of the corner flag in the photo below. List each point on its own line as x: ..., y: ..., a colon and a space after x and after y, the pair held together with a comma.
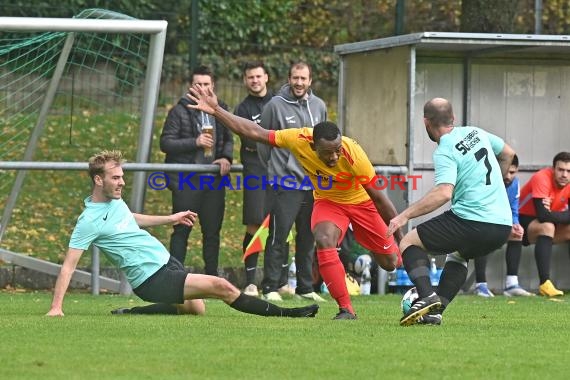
x: 257, y: 243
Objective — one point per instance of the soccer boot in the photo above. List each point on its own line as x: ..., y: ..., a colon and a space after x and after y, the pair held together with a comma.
x: 121, y: 310
x: 311, y: 297
x: 483, y: 291
x: 547, y: 289
x: 344, y: 314
x: 272, y: 297
x: 516, y: 291
x: 420, y: 307
x: 304, y: 312
x: 430, y: 319
x: 251, y: 290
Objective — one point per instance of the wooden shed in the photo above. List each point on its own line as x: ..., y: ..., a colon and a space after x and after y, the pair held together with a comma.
x: 515, y: 86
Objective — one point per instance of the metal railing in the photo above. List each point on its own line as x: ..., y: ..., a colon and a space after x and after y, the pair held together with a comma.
x: 93, y: 278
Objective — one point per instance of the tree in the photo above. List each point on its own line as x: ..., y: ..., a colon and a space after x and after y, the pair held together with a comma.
x: 488, y: 16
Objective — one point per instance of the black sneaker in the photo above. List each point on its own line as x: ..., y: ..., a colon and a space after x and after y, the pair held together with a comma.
x: 345, y: 314
x: 419, y: 308
x: 304, y: 312
x: 430, y: 319
x: 121, y: 310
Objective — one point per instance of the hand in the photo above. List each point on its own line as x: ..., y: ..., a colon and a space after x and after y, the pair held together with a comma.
x: 396, y: 223
x: 517, y: 231
x: 225, y: 165
x: 205, y: 140
x: 205, y: 99
x: 547, y: 202
x: 398, y: 235
x: 55, y: 312
x: 186, y: 218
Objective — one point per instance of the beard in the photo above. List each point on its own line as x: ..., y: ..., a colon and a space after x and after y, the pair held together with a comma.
x: 430, y: 135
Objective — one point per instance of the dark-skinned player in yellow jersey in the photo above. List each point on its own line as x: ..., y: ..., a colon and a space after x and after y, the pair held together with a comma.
x: 346, y: 191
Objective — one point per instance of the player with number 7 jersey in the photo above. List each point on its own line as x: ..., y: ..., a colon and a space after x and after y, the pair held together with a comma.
x: 465, y: 158
x: 469, y: 165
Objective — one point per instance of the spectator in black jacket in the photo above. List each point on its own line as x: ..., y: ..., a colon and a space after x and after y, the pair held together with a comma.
x: 184, y: 142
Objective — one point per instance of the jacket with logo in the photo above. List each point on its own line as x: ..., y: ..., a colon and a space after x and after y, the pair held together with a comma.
x: 250, y: 108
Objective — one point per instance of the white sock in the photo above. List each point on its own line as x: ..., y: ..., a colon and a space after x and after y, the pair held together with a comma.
x: 511, y: 281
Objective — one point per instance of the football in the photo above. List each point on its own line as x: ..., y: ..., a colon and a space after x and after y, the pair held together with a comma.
x: 409, y: 297
x: 362, y: 262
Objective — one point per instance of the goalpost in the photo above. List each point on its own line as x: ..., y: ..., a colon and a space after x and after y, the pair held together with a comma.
x: 51, y: 70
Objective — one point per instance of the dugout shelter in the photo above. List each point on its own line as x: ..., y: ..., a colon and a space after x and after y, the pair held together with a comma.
x: 515, y: 86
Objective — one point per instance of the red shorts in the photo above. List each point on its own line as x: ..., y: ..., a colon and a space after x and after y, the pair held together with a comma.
x: 369, y: 228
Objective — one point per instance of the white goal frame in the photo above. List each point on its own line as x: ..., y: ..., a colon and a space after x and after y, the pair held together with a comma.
x: 157, y: 31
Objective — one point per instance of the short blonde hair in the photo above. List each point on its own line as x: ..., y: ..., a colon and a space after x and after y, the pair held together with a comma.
x: 97, y: 161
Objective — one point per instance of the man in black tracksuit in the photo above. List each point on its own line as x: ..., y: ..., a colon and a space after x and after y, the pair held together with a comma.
x: 294, y: 106
x: 184, y: 143
x: 255, y: 78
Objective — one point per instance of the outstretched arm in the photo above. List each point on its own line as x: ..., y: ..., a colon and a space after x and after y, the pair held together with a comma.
x: 207, y: 101
x: 434, y: 199
x: 183, y: 217
x: 62, y: 282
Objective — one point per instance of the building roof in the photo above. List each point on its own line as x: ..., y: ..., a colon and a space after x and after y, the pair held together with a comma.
x: 474, y: 44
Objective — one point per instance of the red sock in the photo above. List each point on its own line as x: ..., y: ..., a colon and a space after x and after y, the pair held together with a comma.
x: 333, y: 274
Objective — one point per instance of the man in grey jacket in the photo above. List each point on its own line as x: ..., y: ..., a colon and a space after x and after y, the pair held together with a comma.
x: 290, y: 198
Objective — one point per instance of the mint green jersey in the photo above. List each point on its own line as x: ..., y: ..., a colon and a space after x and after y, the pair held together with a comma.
x: 465, y: 158
x: 111, y: 227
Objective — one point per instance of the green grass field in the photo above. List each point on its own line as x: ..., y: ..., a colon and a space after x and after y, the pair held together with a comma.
x: 497, y: 338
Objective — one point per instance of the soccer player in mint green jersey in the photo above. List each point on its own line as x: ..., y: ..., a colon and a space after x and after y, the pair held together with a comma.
x: 469, y: 166
x: 155, y: 276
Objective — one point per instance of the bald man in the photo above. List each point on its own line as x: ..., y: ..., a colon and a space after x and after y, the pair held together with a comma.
x: 469, y: 166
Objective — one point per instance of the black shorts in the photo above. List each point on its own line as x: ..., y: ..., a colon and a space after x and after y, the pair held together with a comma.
x: 166, y: 285
x: 253, y: 210
x: 524, y: 221
x: 449, y: 233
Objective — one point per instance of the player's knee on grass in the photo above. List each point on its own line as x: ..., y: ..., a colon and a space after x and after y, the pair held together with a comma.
x: 194, y: 307
x: 224, y: 290
x: 204, y: 286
